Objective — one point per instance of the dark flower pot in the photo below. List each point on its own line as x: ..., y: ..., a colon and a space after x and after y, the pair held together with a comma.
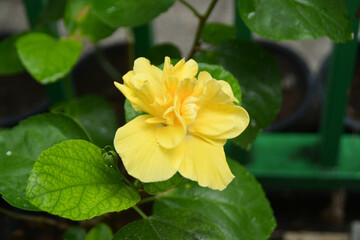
x: 20, y: 97
x: 297, y: 88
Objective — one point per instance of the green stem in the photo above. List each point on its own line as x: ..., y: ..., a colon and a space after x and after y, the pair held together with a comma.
x: 140, y: 212
x: 130, y: 39
x: 106, y: 65
x: 36, y: 219
x: 191, y: 8
x: 197, y: 43
x: 148, y: 199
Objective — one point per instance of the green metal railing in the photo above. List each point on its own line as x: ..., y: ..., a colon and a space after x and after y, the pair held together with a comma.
x: 329, y: 159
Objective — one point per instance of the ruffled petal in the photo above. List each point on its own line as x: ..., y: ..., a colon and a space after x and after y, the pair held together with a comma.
x: 187, y: 69
x: 142, y: 156
x: 205, y: 163
x: 220, y: 121
x: 226, y: 88
x: 143, y: 65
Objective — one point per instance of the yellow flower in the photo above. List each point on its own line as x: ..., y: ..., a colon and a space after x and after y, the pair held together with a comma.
x: 187, y: 123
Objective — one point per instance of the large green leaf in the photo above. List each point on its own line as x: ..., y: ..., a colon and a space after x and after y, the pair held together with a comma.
x: 73, y: 180
x: 129, y: 12
x: 100, y: 231
x: 219, y: 73
x: 46, y: 58
x: 259, y: 78
x: 174, y: 224
x: 297, y: 19
x: 9, y: 59
x: 215, y: 33
x: 95, y: 115
x: 241, y: 211
x: 80, y: 20
x: 159, y: 187
x: 22, y: 145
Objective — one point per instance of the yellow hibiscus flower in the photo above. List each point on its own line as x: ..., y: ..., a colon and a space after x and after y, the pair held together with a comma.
x: 187, y: 123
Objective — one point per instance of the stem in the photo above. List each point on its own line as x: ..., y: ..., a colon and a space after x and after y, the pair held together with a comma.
x: 201, y: 25
x: 141, y: 213
x: 148, y: 199
x: 106, y: 65
x: 130, y: 39
x: 191, y: 8
x: 36, y: 219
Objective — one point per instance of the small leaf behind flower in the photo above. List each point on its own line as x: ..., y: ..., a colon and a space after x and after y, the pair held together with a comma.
x: 71, y: 180
x: 159, y: 187
x: 130, y: 112
x: 216, y: 33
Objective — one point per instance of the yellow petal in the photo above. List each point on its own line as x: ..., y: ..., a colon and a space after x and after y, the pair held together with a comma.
x: 142, y: 156
x: 187, y: 69
x: 205, y: 163
x: 220, y: 121
x: 226, y: 88
x: 170, y: 136
x: 142, y: 65
x: 130, y: 95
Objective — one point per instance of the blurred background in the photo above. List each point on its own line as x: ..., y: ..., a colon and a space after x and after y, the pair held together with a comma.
x: 301, y: 212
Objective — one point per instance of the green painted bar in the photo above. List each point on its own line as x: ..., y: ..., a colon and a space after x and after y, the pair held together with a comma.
x: 64, y: 88
x: 242, y: 30
x: 291, y: 161
x: 144, y: 39
x: 341, y: 67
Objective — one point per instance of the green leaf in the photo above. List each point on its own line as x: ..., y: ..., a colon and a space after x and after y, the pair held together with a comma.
x: 46, y: 58
x: 95, y: 115
x: 215, y: 33
x: 80, y: 20
x: 163, y: 186
x: 72, y: 180
x: 219, y: 73
x: 52, y: 10
x: 259, y: 78
x: 297, y: 19
x: 9, y: 59
x: 130, y: 112
x: 100, y: 231
x: 206, y: 57
x: 241, y: 211
x: 21, y: 147
x: 174, y: 224
x: 75, y: 233
x: 157, y: 54
x: 130, y: 13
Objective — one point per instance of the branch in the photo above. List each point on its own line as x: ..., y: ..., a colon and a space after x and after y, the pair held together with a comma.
x: 197, y: 43
x: 36, y: 219
x: 191, y: 8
